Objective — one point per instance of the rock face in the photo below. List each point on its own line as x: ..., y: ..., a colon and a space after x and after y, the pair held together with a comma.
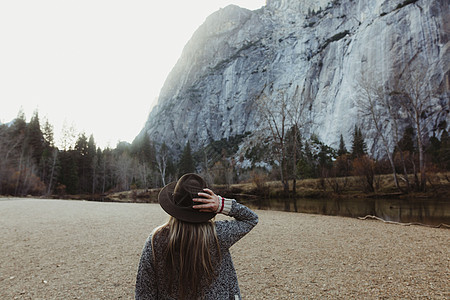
x: 306, y: 50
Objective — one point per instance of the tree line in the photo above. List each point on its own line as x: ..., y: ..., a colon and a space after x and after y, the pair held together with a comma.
x: 30, y: 163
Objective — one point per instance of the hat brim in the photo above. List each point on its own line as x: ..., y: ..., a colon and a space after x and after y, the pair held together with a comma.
x: 186, y: 214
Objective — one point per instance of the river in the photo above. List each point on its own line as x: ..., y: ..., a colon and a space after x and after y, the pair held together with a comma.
x: 426, y: 211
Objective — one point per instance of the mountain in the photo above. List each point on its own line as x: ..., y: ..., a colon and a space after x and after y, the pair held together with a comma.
x: 309, y: 51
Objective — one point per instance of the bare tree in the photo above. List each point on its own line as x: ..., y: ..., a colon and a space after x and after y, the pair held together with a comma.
x: 52, y: 173
x: 144, y: 172
x: 68, y: 136
x: 207, y: 174
x: 284, y: 117
x: 8, y: 147
x: 274, y: 111
x: 106, y: 168
x: 124, y: 171
x: 162, y: 158
x: 94, y: 173
x: 373, y: 103
x: 414, y: 92
x: 298, y: 120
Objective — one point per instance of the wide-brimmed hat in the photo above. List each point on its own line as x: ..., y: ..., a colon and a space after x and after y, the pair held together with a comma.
x: 176, y: 199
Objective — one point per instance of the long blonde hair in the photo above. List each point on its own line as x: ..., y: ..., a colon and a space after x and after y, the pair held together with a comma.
x: 187, y: 254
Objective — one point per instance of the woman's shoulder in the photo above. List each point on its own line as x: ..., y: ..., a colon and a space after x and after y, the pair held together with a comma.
x: 159, y: 234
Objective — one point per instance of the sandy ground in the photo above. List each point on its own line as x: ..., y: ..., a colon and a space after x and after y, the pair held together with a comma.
x: 54, y: 249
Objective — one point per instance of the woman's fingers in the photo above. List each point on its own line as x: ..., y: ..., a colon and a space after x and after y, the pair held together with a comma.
x: 208, y: 201
x: 202, y: 203
x: 204, y: 195
x: 210, y: 192
x: 204, y: 207
x: 200, y: 199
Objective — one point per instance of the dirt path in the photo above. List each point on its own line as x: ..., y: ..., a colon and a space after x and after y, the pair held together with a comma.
x: 55, y: 249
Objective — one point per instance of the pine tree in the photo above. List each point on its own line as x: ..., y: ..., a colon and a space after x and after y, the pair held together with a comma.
x: 47, y: 132
x: 342, y: 149
x: 35, y: 139
x: 406, y: 143
x: 68, y: 174
x: 91, y: 161
x: 186, y: 164
x: 19, y: 125
x: 444, y: 151
x: 146, y: 151
x: 359, y: 147
x: 83, y: 163
x: 306, y: 162
x: 47, y: 166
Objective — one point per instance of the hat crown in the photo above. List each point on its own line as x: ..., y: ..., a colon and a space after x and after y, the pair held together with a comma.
x: 176, y: 199
x: 187, y: 188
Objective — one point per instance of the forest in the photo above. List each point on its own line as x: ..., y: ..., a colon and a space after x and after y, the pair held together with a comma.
x: 31, y: 163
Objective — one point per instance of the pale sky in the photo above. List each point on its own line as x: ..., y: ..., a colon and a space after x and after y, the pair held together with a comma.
x: 95, y: 64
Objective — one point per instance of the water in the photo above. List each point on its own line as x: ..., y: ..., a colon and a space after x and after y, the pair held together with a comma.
x: 425, y: 211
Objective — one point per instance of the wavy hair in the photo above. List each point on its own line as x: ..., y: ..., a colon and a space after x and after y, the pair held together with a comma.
x: 187, y: 255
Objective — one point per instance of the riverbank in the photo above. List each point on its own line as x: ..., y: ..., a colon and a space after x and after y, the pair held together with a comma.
x: 56, y: 249
x: 438, y: 187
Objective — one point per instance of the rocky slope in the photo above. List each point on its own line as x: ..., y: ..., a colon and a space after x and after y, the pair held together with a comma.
x: 310, y: 51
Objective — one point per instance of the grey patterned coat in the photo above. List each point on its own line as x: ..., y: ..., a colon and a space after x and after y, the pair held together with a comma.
x: 150, y: 283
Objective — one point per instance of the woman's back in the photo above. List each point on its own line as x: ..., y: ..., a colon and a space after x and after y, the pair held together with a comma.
x: 155, y: 282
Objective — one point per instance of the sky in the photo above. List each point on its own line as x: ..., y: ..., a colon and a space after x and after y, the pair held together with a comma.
x: 94, y: 65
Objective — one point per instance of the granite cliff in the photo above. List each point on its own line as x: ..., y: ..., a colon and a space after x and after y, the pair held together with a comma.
x: 308, y: 50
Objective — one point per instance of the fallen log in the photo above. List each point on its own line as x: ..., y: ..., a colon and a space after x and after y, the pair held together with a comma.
x: 442, y: 225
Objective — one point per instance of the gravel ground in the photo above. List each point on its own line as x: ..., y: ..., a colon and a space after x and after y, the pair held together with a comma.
x: 55, y: 249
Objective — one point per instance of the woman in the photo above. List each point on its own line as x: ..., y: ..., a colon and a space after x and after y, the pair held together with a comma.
x: 188, y: 257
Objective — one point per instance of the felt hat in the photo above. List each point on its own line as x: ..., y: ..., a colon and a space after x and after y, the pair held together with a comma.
x: 176, y: 199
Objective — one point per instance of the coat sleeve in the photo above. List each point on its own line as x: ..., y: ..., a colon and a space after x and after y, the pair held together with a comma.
x: 229, y: 232
x: 146, y: 287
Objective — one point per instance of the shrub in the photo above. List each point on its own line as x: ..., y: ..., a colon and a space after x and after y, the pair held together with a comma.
x: 364, y: 169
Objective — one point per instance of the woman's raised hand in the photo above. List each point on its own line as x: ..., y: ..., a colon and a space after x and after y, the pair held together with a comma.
x: 209, y: 201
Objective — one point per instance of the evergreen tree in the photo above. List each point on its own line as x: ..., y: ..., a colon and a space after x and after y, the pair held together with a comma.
x: 293, y: 148
x: 406, y: 143
x: 49, y: 158
x: 142, y: 149
x: 147, y: 150
x: 359, y: 147
x: 122, y: 147
x: 433, y: 149
x: 136, y: 147
x: 106, y: 165
x: 91, y: 147
x: 171, y: 170
x: 68, y: 174
x: 47, y: 132
x: 91, y: 161
x: 342, y: 149
x: 35, y: 139
x: 306, y: 163
x: 186, y: 164
x: 84, y: 163
x: 444, y: 151
x: 322, y: 155
x: 19, y: 125
x: 326, y: 156
x: 342, y: 163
